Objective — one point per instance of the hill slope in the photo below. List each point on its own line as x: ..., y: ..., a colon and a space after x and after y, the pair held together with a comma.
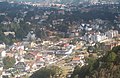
x: 107, y: 66
x: 63, y: 1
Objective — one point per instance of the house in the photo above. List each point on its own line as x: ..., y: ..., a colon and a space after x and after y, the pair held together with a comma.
x: 40, y: 64
x: 35, y: 64
x: 111, y: 33
x: 60, y: 52
x: 29, y: 65
x: 32, y: 44
x: 3, y: 54
x: 30, y: 36
x: 20, y: 66
x: 78, y: 60
x: 10, y: 54
x: 2, y: 13
x: 38, y: 58
x: 30, y: 55
x: 6, y: 22
x: 9, y: 32
x: 2, y: 45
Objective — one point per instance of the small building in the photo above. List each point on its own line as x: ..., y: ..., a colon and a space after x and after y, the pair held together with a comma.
x: 78, y: 60
x: 3, y: 54
x: 20, y: 66
x: 30, y: 55
x: 111, y: 33
x: 30, y: 36
x: 9, y: 32
x: 2, y: 45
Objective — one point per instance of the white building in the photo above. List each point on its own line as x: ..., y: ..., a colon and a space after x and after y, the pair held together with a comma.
x: 97, y: 37
x: 2, y: 45
x: 94, y: 1
x: 3, y: 54
x: 30, y: 36
x: 9, y: 32
x: 111, y: 33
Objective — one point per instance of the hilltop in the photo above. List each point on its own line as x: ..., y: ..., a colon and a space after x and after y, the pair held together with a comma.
x: 65, y: 1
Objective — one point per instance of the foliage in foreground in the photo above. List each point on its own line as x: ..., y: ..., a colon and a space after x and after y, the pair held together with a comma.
x: 48, y: 72
x: 107, y: 66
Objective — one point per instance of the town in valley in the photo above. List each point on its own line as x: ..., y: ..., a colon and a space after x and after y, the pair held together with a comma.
x: 36, y: 35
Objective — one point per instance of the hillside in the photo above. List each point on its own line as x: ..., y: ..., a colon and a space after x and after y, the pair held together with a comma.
x: 64, y: 1
x: 107, y: 66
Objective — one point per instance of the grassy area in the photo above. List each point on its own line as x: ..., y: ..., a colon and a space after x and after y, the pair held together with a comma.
x: 64, y: 67
x: 21, y: 77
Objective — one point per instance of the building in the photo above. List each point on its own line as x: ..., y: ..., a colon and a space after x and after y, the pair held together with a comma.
x: 2, y: 45
x: 30, y: 36
x: 111, y: 33
x: 97, y: 37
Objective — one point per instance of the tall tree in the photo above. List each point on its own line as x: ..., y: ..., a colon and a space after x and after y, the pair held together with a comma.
x: 8, y: 62
x: 48, y: 72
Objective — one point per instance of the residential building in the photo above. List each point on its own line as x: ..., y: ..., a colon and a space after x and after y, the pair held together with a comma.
x: 2, y: 45
x: 111, y: 33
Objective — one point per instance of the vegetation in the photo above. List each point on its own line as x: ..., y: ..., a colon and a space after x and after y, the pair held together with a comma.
x: 48, y: 72
x: 8, y: 62
x: 107, y: 66
x: 20, y: 19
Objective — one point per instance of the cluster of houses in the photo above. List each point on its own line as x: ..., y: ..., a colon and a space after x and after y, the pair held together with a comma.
x: 33, y: 56
x: 30, y: 56
x: 98, y: 37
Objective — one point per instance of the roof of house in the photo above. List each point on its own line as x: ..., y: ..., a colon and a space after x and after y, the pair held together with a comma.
x: 20, y: 65
x: 1, y: 42
x: 38, y: 57
x: 76, y: 59
x: 33, y: 53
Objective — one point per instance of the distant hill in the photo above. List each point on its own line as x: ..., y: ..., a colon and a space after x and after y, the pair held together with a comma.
x: 34, y: 0
x: 63, y: 1
x: 78, y: 1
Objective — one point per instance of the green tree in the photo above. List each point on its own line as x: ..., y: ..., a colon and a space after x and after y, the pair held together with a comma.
x: 111, y: 57
x: 48, y: 72
x: 8, y: 62
x: 116, y: 49
x: 80, y: 72
x: 104, y: 67
x: 14, y: 26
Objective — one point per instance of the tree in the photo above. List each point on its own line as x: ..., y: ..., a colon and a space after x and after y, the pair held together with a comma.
x: 111, y: 57
x: 107, y: 66
x: 116, y: 49
x: 47, y: 72
x: 14, y: 26
x: 8, y: 62
x: 100, y: 47
x: 80, y: 72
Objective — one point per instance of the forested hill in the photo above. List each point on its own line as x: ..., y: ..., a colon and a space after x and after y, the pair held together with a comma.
x: 107, y: 66
x: 91, y: 1
x: 63, y: 1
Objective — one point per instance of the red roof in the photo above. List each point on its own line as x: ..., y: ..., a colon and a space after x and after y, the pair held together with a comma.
x: 38, y: 57
x: 33, y: 53
x: 76, y: 59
